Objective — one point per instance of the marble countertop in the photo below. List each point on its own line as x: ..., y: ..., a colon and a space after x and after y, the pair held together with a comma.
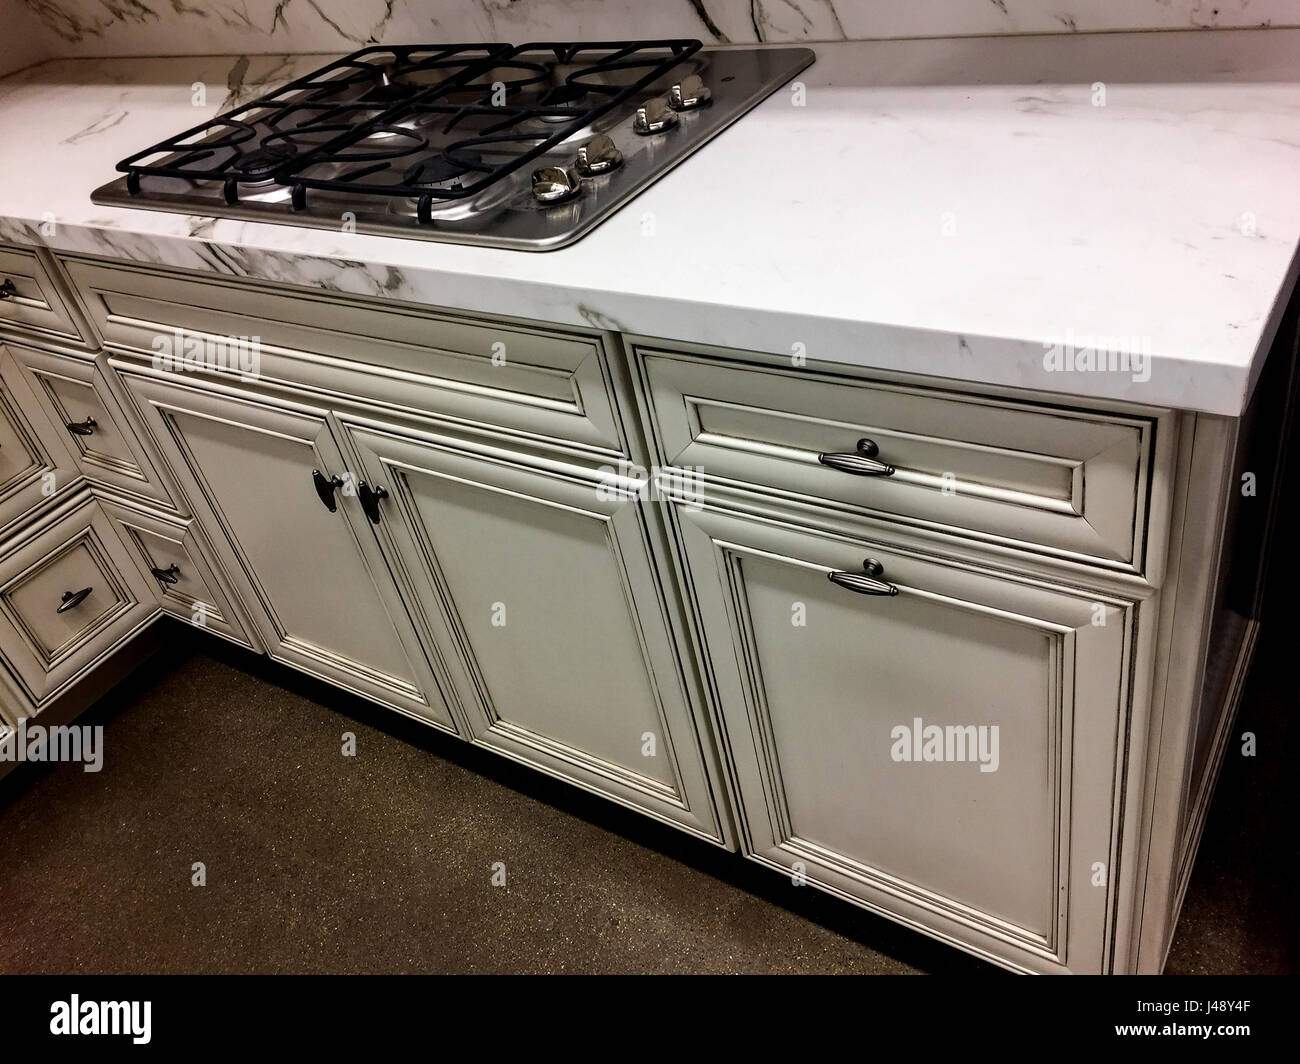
x: 989, y: 210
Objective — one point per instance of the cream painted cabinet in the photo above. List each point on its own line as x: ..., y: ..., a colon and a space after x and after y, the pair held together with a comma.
x: 36, y: 463
x: 326, y: 604
x: 937, y: 649
x: 539, y: 588
x: 938, y: 741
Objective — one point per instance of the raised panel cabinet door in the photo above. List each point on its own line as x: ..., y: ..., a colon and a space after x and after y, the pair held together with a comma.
x: 938, y: 742
x: 80, y: 403
x: 541, y: 593
x: 35, y: 463
x: 173, y: 558
x: 249, y: 468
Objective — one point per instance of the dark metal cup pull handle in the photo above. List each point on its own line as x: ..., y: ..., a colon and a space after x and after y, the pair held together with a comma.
x: 865, y: 582
x: 83, y: 428
x: 170, y: 575
x: 72, y: 599
x: 8, y: 289
x: 326, y: 488
x: 370, y: 500
x: 861, y: 463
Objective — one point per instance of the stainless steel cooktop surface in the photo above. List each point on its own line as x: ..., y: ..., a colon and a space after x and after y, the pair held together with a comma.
x: 523, y: 147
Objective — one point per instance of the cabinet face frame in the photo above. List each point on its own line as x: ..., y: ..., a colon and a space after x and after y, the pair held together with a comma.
x: 585, y: 494
x: 712, y: 544
x: 160, y: 401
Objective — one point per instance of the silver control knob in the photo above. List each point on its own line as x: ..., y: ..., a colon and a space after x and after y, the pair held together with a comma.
x: 689, y: 93
x: 598, y: 156
x: 554, y: 184
x: 654, y: 116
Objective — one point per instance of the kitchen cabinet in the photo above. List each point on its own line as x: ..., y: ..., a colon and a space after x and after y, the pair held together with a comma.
x: 539, y: 582
x: 321, y: 599
x: 937, y: 649
x: 940, y: 741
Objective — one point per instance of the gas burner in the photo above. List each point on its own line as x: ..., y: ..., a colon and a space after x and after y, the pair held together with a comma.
x: 376, y: 142
x: 260, y: 164
x: 505, y: 83
x: 389, y: 92
x: 562, y: 102
x: 440, y: 171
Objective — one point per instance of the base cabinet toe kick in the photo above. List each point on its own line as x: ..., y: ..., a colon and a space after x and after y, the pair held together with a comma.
x: 966, y: 657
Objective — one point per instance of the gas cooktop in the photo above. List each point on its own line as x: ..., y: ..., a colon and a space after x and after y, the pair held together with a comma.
x: 524, y: 147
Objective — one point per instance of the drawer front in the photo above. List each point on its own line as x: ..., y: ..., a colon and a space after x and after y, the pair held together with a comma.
x: 80, y: 402
x: 1063, y: 481
x: 534, y: 381
x: 35, y: 463
x: 173, y: 556
x: 68, y: 597
x: 30, y: 300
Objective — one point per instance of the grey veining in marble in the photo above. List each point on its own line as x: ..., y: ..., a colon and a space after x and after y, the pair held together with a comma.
x: 187, y: 27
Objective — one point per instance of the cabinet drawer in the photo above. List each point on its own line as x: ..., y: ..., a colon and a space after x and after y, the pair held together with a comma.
x: 538, y: 381
x: 81, y: 404
x: 35, y: 463
x: 68, y: 597
x: 33, y: 302
x: 1054, y: 479
x: 172, y: 555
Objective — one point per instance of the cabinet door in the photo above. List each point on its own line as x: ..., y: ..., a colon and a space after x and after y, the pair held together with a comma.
x: 35, y: 463
x: 172, y: 555
x: 542, y: 595
x: 328, y: 607
x: 995, y: 830
x: 80, y: 402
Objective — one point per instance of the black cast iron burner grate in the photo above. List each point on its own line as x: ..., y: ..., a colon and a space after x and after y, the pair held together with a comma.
x: 425, y: 123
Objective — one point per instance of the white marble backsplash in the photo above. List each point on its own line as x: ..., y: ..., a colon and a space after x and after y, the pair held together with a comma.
x: 68, y: 28
x: 24, y: 41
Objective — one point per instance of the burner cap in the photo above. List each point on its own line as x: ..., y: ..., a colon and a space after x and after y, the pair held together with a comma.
x: 439, y: 169
x: 569, y: 92
x: 389, y: 91
x: 264, y: 161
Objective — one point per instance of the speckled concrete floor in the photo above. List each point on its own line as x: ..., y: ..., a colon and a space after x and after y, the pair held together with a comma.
x: 383, y: 862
